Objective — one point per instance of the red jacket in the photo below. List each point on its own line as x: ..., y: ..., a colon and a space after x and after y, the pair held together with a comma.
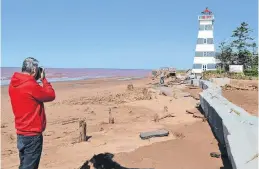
x: 27, y: 98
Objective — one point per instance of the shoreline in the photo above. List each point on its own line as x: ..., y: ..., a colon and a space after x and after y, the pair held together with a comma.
x: 59, y: 80
x: 72, y: 74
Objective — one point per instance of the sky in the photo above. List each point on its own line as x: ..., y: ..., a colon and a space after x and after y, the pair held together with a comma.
x: 130, y: 34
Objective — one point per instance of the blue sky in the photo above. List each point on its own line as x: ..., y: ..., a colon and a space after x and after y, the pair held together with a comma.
x: 114, y: 33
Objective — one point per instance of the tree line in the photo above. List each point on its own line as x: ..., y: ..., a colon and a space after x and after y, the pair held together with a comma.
x: 240, y: 50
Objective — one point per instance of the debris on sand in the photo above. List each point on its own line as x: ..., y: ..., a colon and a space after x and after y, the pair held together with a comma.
x: 175, y: 96
x: 3, y: 125
x: 139, y: 93
x: 196, y: 114
x: 157, y: 133
x: 165, y: 109
x: 178, y: 135
x: 147, y: 94
x: 111, y: 118
x: 157, y: 118
x: 130, y: 87
x: 234, y: 87
x: 72, y: 120
x: 215, y: 155
x: 193, y: 87
x: 165, y: 92
x: 192, y: 111
x: 198, y: 105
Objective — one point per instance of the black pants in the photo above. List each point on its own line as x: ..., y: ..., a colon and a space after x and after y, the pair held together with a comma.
x: 30, y: 148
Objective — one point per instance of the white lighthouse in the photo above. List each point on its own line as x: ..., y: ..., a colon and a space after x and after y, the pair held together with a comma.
x: 204, y: 58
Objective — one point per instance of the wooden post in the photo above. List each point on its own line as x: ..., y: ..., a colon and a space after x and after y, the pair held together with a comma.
x: 165, y: 109
x: 130, y: 87
x: 82, y: 131
x: 111, y: 119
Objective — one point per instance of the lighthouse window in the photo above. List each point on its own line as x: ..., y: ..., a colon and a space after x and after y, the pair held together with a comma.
x: 196, y: 66
x: 198, y: 54
x: 211, y: 66
x: 201, y: 27
x: 205, y: 27
x: 200, y: 41
x: 204, y: 54
x: 208, y: 27
x: 210, y: 41
x: 205, y: 41
x: 210, y: 54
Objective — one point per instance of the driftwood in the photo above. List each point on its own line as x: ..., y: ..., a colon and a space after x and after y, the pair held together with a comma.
x: 82, y: 131
x: 189, y: 112
x: 215, y: 155
x: 73, y: 120
x: 193, y: 87
x: 233, y: 87
x: 157, y: 118
x: 196, y: 98
x: 196, y: 114
x: 166, y: 116
x: 190, y: 95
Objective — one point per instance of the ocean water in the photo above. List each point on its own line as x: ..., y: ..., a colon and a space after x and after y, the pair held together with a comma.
x: 69, y: 74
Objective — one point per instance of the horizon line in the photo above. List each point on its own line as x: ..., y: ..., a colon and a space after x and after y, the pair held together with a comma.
x: 99, y: 68
x: 82, y: 68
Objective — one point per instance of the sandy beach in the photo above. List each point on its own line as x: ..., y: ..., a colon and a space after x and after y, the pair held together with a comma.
x: 188, y: 145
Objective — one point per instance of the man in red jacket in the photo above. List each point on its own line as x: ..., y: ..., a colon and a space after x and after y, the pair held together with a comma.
x: 27, y: 98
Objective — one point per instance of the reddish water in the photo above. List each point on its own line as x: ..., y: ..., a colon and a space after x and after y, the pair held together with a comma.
x: 66, y: 74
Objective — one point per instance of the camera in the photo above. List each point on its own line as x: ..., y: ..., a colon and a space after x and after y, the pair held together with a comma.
x: 38, y: 76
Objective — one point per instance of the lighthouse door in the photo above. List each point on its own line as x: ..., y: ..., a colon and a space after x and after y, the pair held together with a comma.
x: 204, y: 67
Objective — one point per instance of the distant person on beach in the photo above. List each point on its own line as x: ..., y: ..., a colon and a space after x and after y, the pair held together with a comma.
x: 27, y: 98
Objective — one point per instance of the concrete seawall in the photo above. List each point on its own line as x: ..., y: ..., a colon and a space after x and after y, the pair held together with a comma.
x: 232, y: 126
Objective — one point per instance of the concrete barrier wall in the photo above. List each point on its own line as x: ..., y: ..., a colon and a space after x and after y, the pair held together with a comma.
x: 232, y: 126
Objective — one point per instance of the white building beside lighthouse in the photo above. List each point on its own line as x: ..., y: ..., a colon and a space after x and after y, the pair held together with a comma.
x: 204, y: 58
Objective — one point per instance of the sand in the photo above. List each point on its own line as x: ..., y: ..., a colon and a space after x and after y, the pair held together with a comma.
x: 247, y: 99
x: 188, y: 145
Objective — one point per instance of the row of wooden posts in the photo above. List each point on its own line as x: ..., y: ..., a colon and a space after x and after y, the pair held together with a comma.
x: 83, y: 127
